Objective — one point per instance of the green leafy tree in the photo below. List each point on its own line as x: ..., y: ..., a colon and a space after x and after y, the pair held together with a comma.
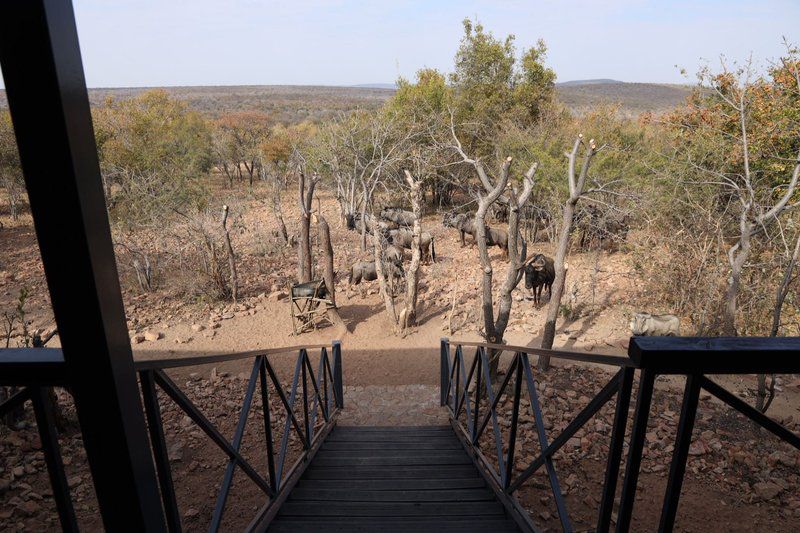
x: 492, y: 84
x: 154, y: 153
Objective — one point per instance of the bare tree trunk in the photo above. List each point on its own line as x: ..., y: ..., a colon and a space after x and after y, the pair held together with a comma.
x: 762, y: 402
x: 386, y: 292
x: 487, y: 303
x: 554, y: 305
x: 304, y: 250
x: 576, y: 190
x: 364, y: 221
x: 278, y: 212
x: 408, y: 316
x: 495, y: 330
x: 737, y: 257
x: 231, y: 257
x: 328, y: 272
x: 327, y: 255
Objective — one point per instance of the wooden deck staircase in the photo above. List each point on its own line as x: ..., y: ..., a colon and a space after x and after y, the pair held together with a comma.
x: 374, y: 478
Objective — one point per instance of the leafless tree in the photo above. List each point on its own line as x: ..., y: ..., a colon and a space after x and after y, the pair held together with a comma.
x: 408, y: 316
x: 577, y: 186
x: 494, y: 328
x: 305, y: 197
x: 231, y: 256
x: 359, y: 150
x: 386, y: 285
x: 327, y: 253
x: 757, y: 212
x: 762, y: 400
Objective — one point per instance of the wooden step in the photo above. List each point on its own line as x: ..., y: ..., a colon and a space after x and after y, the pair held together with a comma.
x: 392, y: 479
x: 397, y: 509
x: 475, y: 482
x: 316, y: 471
x: 370, y: 525
x: 349, y: 495
x: 418, y: 460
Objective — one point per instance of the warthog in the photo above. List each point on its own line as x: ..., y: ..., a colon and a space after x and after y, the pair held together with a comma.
x: 655, y: 325
x: 404, y: 238
x: 398, y: 216
x: 540, y: 273
x: 354, y: 223
x: 366, y: 271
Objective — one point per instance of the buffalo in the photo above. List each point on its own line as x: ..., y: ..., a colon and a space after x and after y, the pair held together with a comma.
x: 540, y: 272
x: 465, y: 224
x: 354, y: 223
x: 655, y: 325
x: 404, y: 238
x: 401, y: 217
x: 366, y: 271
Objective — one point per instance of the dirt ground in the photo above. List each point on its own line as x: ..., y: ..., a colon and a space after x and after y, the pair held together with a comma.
x: 379, y: 363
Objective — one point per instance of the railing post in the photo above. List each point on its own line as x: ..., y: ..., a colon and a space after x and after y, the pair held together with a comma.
x: 49, y: 104
x: 683, y: 440
x: 641, y: 416
x: 158, y: 443
x: 615, y: 449
x: 444, y: 369
x: 338, y: 383
x: 43, y: 409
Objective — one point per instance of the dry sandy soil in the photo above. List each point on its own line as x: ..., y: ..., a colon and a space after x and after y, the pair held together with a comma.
x: 377, y: 361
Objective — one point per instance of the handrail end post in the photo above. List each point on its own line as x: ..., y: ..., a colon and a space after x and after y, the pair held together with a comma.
x: 338, y: 385
x: 444, y: 369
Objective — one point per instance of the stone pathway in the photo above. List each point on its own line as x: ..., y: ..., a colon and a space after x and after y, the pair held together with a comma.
x: 400, y: 405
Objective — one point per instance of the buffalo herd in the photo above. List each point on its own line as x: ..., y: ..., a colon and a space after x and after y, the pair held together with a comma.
x: 394, y: 225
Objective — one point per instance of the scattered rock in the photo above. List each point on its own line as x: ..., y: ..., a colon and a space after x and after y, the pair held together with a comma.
x: 198, y: 327
x: 153, y: 336
x: 766, y: 490
x: 29, y: 508
x: 175, y: 452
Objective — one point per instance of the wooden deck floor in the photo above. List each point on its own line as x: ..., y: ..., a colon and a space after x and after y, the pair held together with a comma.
x: 373, y: 478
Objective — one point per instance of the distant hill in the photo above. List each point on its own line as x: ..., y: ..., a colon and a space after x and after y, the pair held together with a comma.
x: 296, y: 103
x: 391, y: 86
x: 587, y: 82
x: 632, y: 98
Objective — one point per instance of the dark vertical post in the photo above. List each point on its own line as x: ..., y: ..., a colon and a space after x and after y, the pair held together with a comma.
x: 444, y: 369
x: 691, y: 395
x: 45, y: 421
x: 267, y: 424
x: 512, y: 437
x: 615, y: 449
x: 646, y: 382
x: 478, y: 394
x: 49, y: 104
x: 338, y: 384
x: 160, y: 452
x: 304, y: 385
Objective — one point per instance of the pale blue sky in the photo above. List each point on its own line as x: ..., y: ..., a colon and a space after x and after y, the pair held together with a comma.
x: 347, y: 42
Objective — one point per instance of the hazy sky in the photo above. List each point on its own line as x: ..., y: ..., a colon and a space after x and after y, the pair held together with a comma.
x: 347, y: 42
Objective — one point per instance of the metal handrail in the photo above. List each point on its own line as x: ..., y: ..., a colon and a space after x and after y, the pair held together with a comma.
x: 312, y: 391
x: 321, y: 390
x: 602, y: 359
x: 462, y: 391
x: 176, y: 362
